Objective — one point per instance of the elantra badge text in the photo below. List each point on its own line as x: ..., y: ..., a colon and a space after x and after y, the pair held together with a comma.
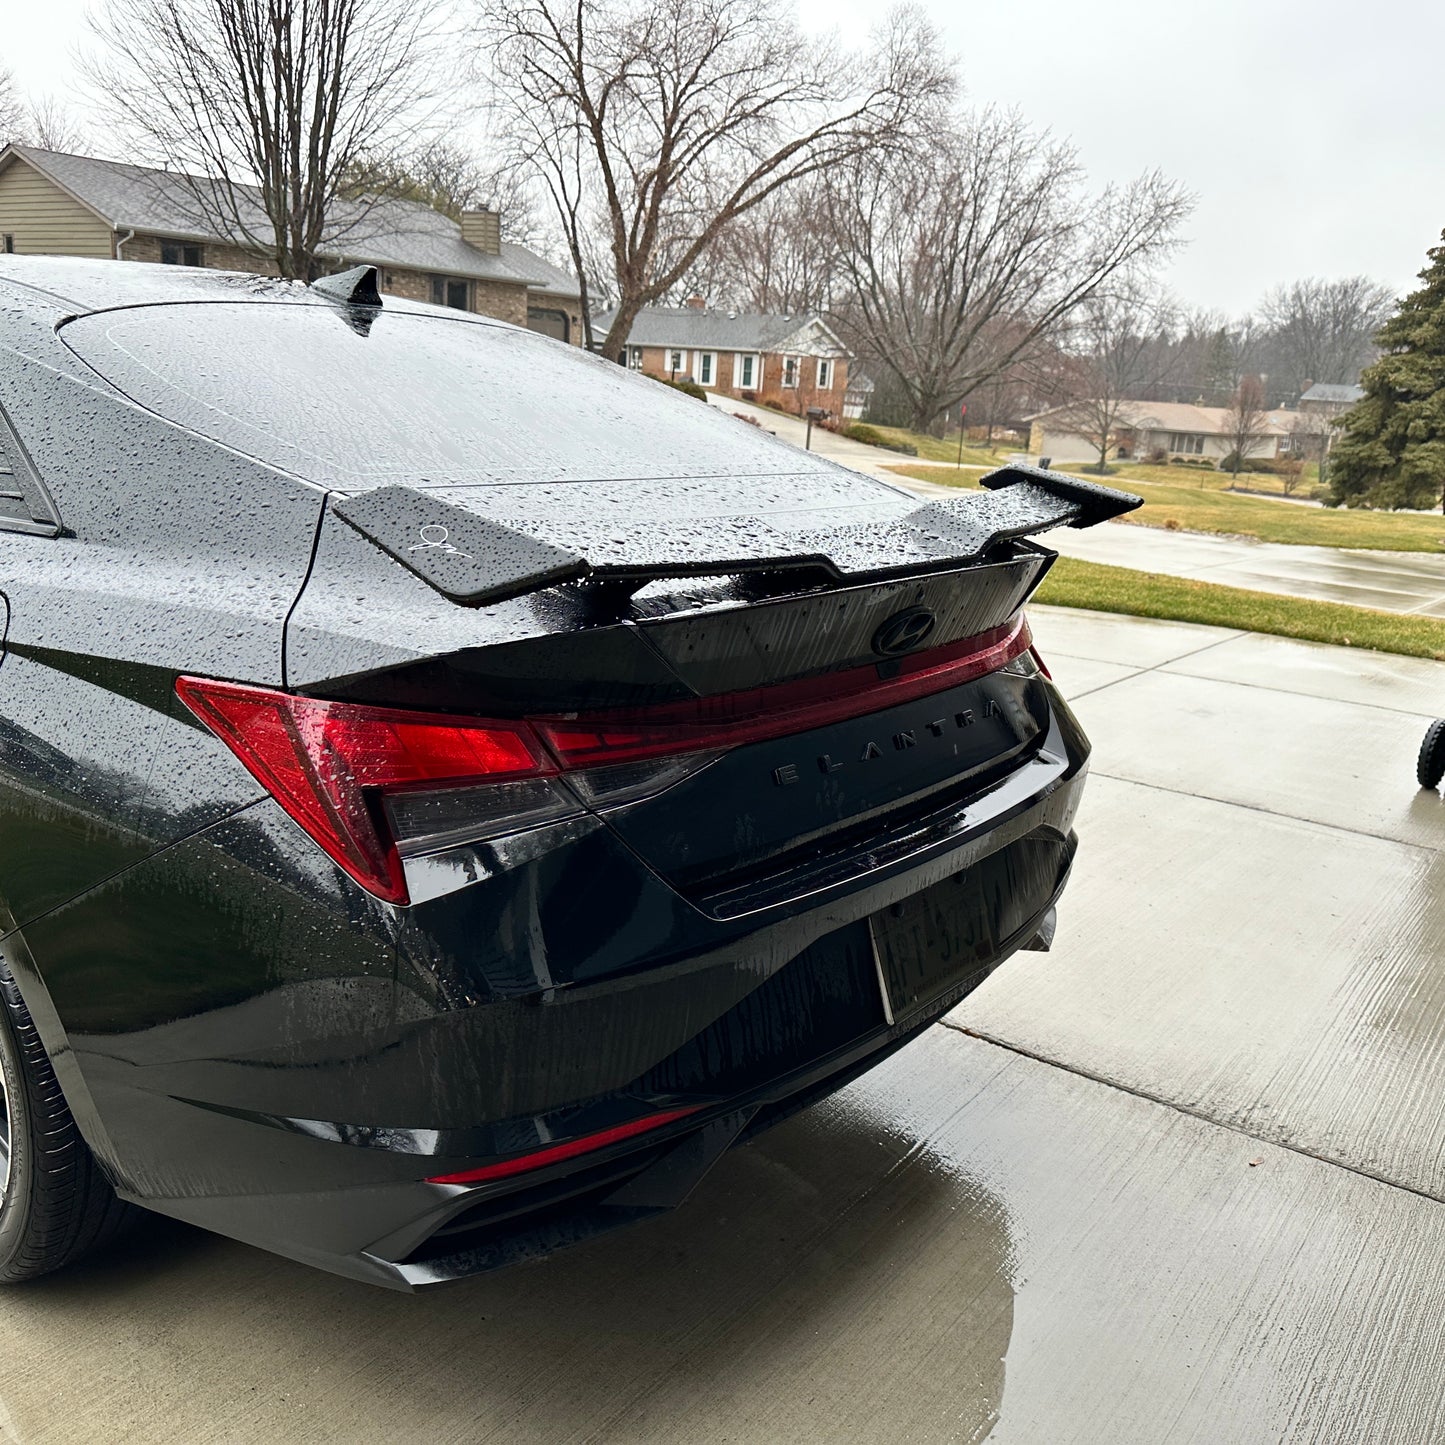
x: 900, y: 742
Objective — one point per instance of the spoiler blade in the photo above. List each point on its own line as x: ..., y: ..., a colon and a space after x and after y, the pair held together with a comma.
x: 475, y: 560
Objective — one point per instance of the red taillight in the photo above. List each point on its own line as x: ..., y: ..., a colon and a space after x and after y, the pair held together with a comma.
x: 1039, y: 661
x: 370, y: 784
x: 555, y: 1153
x: 319, y: 759
x: 736, y: 718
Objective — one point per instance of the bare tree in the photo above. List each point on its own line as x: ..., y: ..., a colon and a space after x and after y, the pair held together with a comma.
x: 1324, y: 330
x: 673, y: 119
x: 268, y: 109
x: 967, y: 258
x: 545, y: 136
x: 776, y: 258
x: 1121, y: 346
x: 53, y: 127
x: 452, y: 178
x: 1310, y: 436
x: 12, y: 109
x: 1244, y: 421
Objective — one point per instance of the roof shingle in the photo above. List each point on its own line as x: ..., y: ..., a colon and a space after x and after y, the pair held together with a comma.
x: 689, y: 327
x: 386, y: 233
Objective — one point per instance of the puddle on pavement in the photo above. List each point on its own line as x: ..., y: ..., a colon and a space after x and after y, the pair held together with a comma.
x: 833, y: 1269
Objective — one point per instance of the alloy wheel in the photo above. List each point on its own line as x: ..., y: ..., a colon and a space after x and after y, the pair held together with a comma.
x: 4, y: 1139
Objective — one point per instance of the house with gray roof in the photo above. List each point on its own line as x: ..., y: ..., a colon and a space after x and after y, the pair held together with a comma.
x: 1330, y: 398
x: 795, y: 362
x: 56, y: 204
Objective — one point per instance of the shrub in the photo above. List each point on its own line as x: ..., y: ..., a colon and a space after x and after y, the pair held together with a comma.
x: 690, y: 388
x: 1268, y: 466
x: 1202, y: 463
x: 872, y: 437
x: 1158, y: 456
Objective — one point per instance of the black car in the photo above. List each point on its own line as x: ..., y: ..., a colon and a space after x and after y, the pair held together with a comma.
x: 452, y: 789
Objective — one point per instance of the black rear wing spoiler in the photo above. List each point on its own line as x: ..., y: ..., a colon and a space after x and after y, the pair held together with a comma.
x: 473, y: 559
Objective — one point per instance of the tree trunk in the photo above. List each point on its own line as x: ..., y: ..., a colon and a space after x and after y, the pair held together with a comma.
x: 925, y: 414
x: 614, y: 348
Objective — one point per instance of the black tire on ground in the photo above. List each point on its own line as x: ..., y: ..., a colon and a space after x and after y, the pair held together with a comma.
x: 1430, y: 767
x: 57, y: 1204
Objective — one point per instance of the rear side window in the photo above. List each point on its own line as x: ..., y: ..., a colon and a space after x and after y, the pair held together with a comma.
x: 412, y: 398
x: 25, y: 505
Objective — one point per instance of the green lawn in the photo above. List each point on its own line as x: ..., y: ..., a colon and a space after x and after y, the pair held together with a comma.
x: 1200, y: 479
x: 934, y: 449
x: 1098, y: 588
x: 1190, y: 508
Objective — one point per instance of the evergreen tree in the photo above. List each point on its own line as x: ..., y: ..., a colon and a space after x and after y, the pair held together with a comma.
x: 1391, y: 451
x: 1218, y: 376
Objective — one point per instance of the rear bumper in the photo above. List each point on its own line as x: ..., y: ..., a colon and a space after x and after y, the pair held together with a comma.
x: 430, y: 1234
x: 328, y: 1058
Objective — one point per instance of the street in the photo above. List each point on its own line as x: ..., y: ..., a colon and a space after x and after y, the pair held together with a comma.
x: 1388, y: 581
x: 1178, y: 1180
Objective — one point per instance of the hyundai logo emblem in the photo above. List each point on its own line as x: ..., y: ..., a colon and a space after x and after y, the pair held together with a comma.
x: 903, y: 631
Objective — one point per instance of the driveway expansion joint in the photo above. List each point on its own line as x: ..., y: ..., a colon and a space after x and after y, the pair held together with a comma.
x: 1233, y: 636
x: 1426, y: 848
x: 1184, y: 1109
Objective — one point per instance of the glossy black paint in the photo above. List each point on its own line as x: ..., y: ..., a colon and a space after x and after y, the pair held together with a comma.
x: 250, y: 1040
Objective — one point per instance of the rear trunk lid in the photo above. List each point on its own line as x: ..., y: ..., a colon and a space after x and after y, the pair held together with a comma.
x: 739, y: 697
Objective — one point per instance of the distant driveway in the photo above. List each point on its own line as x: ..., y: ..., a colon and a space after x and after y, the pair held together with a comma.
x: 871, y: 461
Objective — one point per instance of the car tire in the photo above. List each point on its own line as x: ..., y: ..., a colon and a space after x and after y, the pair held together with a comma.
x: 56, y: 1204
x: 1430, y: 767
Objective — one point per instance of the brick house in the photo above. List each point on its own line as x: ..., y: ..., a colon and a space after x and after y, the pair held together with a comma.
x: 64, y: 205
x: 789, y: 361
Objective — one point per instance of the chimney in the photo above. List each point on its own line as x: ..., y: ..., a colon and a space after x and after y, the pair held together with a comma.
x: 483, y: 229
x: 696, y: 303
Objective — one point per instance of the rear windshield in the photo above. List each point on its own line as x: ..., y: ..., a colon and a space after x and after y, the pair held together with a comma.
x: 411, y: 398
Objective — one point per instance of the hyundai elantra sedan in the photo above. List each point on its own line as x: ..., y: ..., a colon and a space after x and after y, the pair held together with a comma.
x: 451, y: 789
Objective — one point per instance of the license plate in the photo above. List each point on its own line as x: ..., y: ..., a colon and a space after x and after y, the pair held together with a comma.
x: 931, y: 943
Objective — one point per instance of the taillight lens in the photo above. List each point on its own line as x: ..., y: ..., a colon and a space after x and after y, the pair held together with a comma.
x: 374, y: 785
x: 333, y: 767
x: 780, y: 709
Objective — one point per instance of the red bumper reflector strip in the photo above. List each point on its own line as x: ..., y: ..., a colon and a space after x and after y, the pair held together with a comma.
x: 556, y: 1153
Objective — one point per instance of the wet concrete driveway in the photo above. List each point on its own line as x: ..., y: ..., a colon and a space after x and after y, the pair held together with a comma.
x: 1386, y: 581
x: 1179, y: 1180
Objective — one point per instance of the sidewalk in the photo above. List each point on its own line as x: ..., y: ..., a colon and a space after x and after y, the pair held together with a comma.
x: 871, y: 461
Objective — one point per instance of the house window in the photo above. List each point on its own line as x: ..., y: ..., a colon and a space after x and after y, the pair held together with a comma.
x: 549, y: 322
x: 1189, y: 444
x: 790, y: 371
x: 676, y: 361
x: 178, y: 253
x: 825, y: 376
x: 707, y: 368
x: 447, y: 291
x: 634, y: 358
x: 748, y: 371
x: 7, y: 244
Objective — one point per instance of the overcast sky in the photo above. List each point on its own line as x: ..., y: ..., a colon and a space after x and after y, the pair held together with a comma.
x: 1313, y: 134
